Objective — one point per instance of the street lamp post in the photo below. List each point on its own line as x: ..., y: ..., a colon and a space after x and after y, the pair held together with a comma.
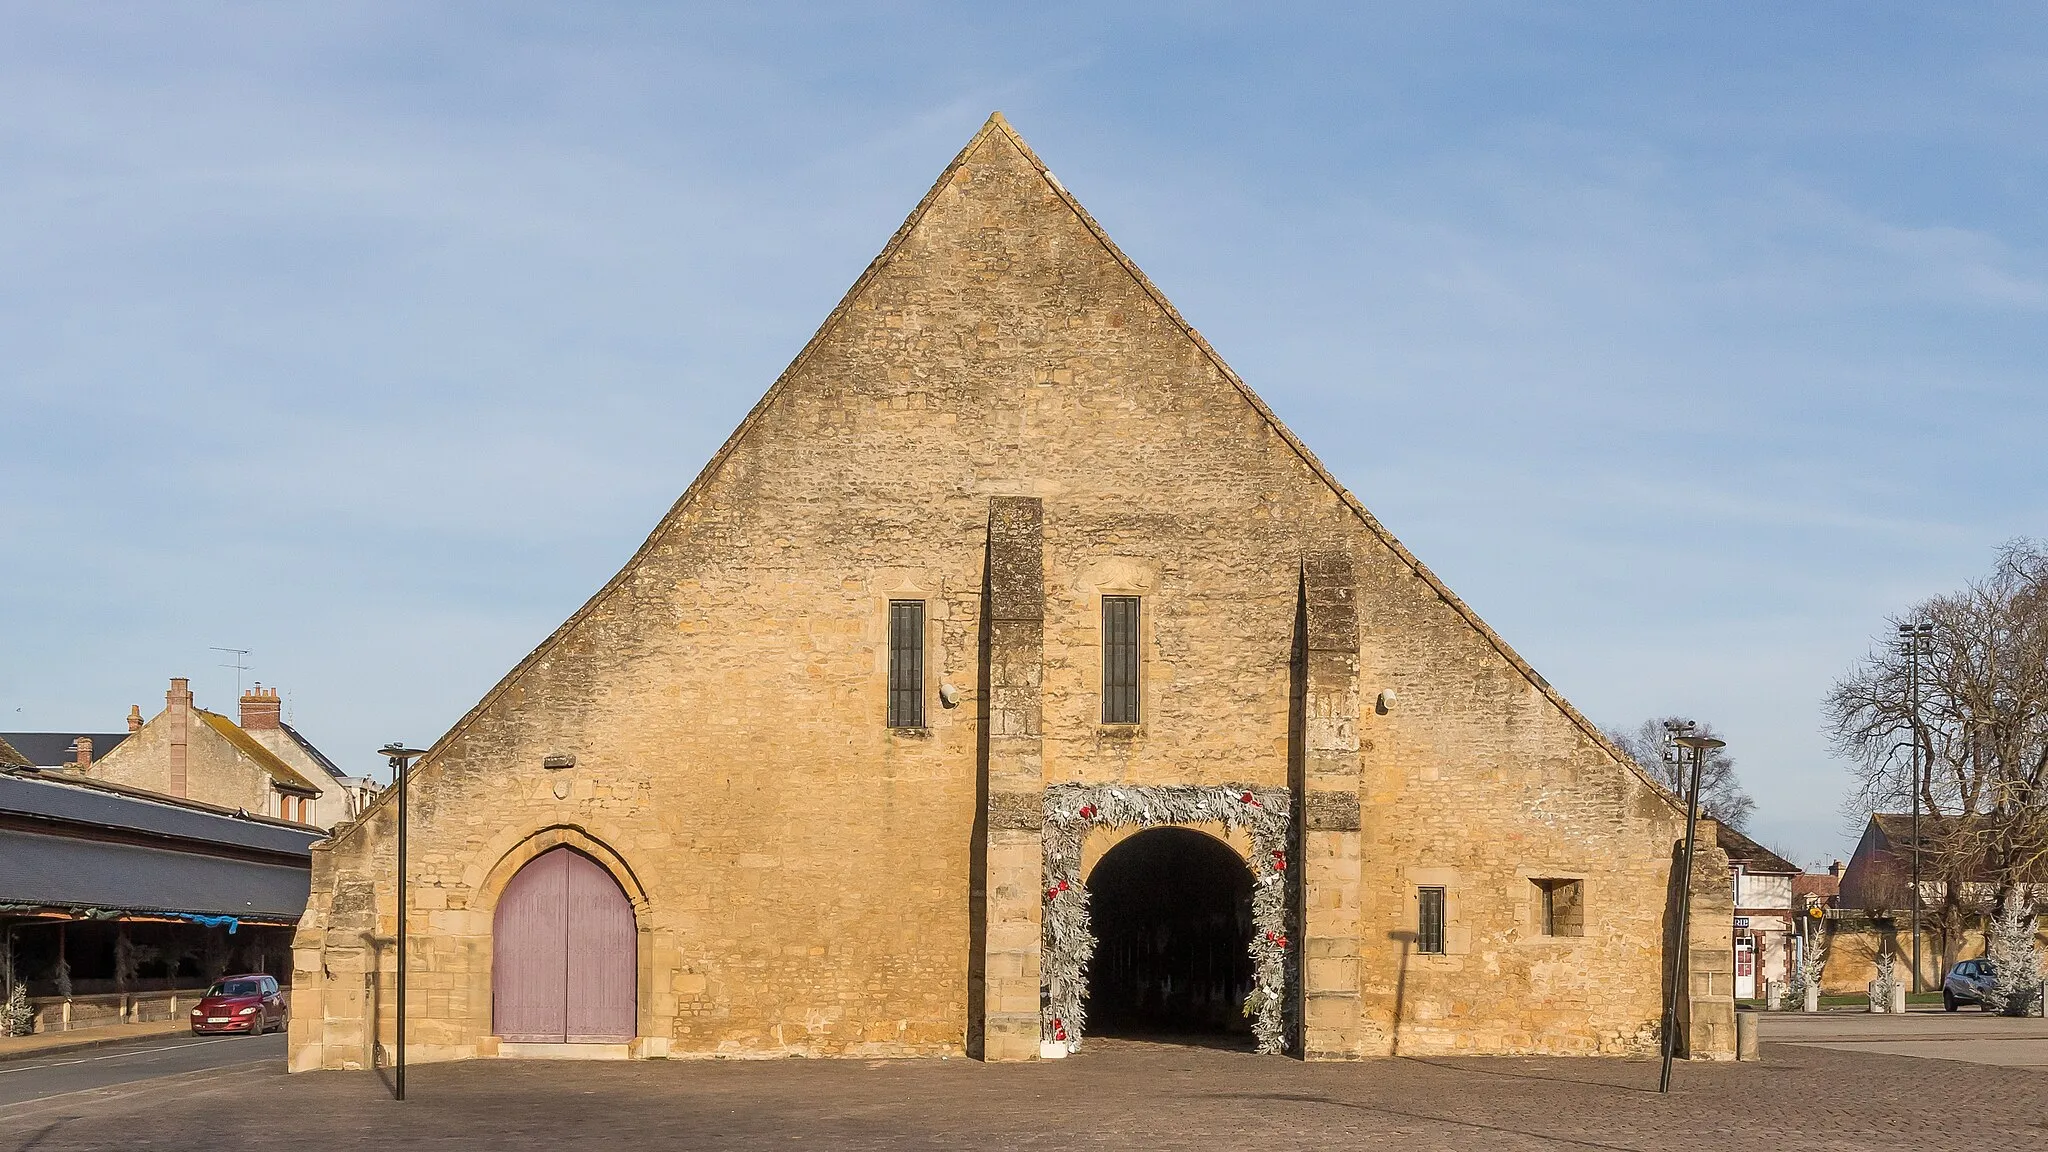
x: 1914, y: 635
x: 1680, y: 969
x: 400, y: 758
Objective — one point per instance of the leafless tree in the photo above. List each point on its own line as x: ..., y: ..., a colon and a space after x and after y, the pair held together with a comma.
x: 1721, y: 794
x: 1981, y: 727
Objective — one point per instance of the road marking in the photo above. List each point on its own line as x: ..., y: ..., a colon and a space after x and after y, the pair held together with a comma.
x: 131, y: 1087
x: 119, y: 1055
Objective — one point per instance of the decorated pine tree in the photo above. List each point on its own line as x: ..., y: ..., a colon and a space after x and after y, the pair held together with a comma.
x: 2015, y: 964
x: 17, y: 1017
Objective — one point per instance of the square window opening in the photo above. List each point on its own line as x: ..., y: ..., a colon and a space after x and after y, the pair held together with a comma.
x: 1561, y: 907
x: 906, y: 663
x: 1429, y: 920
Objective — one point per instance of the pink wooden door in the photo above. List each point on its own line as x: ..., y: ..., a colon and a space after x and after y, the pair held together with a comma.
x: 603, y: 957
x: 564, y: 960
x: 530, y: 952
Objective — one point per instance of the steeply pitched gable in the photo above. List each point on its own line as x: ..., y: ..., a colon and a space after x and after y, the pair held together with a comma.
x: 998, y: 146
x: 284, y: 774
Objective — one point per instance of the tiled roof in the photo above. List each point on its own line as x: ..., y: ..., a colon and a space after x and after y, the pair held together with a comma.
x: 9, y: 758
x: 49, y: 749
x: 65, y: 871
x: 1822, y: 884
x: 1753, y: 856
x: 77, y: 801
x: 246, y: 744
x: 318, y: 756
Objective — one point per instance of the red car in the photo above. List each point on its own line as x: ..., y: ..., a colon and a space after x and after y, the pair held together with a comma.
x: 240, y: 1004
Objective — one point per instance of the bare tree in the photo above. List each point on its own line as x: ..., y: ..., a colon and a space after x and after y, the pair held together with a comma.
x: 1981, y: 727
x: 1721, y: 794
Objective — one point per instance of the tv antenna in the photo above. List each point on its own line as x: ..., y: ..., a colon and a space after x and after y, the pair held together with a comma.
x: 235, y: 661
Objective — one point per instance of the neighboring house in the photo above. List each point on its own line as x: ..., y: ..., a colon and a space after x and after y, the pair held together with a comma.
x: 1765, y: 915
x: 342, y: 796
x: 1874, y: 912
x: 57, y: 749
x: 113, y: 901
x: 190, y: 753
x: 1011, y: 621
x: 1879, y: 878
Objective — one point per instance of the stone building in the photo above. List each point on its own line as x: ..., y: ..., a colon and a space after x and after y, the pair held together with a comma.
x: 1011, y: 674
x: 261, y: 765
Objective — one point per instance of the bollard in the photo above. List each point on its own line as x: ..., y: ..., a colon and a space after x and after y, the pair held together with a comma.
x: 1745, y: 1035
x: 1812, y: 998
x: 1898, y: 1004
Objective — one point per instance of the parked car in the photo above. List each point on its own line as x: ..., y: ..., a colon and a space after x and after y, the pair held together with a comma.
x: 249, y: 1004
x: 1965, y: 984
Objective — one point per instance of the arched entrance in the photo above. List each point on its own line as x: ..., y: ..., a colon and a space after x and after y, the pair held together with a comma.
x: 1172, y: 914
x: 564, y: 963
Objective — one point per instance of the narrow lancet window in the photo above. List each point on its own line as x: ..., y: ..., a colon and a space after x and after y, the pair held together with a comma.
x: 1119, y: 659
x: 1429, y: 920
x: 906, y: 663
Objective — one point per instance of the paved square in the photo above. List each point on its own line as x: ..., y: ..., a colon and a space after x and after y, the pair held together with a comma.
x: 1116, y: 1095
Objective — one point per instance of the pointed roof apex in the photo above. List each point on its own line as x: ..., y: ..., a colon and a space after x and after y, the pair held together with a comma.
x: 995, y: 123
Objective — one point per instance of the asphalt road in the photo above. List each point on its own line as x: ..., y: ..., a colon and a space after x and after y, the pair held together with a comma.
x: 1970, y: 1036
x: 111, y: 1066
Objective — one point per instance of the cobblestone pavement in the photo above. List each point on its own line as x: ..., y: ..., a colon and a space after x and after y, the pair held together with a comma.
x: 1116, y: 1095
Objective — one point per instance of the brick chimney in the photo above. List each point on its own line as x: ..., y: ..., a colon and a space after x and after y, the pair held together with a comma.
x: 83, y: 747
x: 1835, y: 870
x: 261, y: 709
x: 135, y: 717
x: 178, y: 713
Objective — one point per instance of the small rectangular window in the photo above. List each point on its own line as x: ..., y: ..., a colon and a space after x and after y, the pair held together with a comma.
x: 1119, y: 659
x: 1562, y: 907
x: 1429, y: 920
x: 906, y: 663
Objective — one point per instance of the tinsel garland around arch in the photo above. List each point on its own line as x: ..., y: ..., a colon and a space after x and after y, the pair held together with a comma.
x: 1067, y: 944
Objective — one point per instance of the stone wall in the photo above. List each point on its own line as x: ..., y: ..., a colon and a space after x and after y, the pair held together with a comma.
x: 812, y: 882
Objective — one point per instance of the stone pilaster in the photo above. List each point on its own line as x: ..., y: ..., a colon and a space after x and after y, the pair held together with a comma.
x: 1329, y: 780
x: 1014, y: 765
x: 1707, y: 991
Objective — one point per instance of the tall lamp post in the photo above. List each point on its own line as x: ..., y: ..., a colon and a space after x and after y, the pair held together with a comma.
x: 1915, y: 636
x: 1680, y: 969
x: 400, y: 758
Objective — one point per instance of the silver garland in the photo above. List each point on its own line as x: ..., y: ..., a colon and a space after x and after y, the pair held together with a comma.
x: 1067, y: 944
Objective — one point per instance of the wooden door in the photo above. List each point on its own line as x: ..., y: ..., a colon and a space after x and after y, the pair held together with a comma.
x: 565, y: 964
x: 603, y: 958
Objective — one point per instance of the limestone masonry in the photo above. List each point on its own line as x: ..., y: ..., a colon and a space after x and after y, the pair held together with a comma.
x: 809, y: 729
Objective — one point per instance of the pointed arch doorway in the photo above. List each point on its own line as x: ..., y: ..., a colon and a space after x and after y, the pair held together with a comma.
x: 564, y: 955
x: 1171, y: 909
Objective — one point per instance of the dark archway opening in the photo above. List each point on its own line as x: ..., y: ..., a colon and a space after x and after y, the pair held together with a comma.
x: 1172, y: 914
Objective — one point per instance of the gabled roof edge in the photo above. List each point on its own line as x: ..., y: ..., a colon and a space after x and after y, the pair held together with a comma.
x: 711, y: 467
x: 1315, y: 465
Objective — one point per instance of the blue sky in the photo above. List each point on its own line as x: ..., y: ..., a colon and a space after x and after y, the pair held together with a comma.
x: 1685, y: 342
